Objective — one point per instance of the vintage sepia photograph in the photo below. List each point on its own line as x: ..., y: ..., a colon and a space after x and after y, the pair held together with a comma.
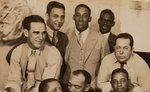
x: 74, y: 46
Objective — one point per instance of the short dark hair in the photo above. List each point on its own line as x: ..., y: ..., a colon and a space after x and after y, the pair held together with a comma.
x: 43, y: 87
x: 119, y: 70
x: 26, y: 23
x: 86, y: 75
x: 83, y: 5
x: 109, y: 12
x: 54, y: 4
x: 125, y: 36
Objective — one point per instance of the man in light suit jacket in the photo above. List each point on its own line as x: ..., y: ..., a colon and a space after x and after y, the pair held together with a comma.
x: 86, y: 45
x: 34, y: 60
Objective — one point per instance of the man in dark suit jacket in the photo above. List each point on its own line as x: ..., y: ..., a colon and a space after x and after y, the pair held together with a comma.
x: 106, y: 22
x: 55, y: 15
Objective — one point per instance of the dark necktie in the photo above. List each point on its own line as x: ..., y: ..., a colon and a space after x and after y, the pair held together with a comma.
x: 122, y: 64
x: 54, y: 39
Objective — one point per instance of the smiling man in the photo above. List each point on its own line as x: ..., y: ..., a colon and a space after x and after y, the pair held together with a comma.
x: 33, y: 61
x: 106, y: 22
x: 55, y: 15
x: 86, y: 45
x: 124, y: 57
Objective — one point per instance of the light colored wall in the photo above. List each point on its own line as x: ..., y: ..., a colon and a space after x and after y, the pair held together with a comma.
x: 135, y: 19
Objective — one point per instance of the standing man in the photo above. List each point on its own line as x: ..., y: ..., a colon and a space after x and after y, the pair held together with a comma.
x: 55, y: 15
x: 86, y: 45
x: 106, y: 22
x: 33, y: 61
x: 124, y: 57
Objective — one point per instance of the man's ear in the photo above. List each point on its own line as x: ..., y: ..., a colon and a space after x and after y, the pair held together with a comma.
x: 90, y: 18
x: 26, y: 32
x: 46, y: 15
x: 132, y: 50
x: 99, y: 21
x: 87, y: 87
x: 113, y: 23
x: 74, y: 17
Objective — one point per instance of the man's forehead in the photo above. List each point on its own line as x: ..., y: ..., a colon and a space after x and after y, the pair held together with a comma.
x: 77, y: 78
x: 119, y: 75
x: 122, y: 41
x: 106, y: 15
x: 38, y: 26
x: 57, y: 10
x: 82, y: 8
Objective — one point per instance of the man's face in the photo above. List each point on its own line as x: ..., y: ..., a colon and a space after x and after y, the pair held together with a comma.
x: 120, y: 83
x: 105, y: 23
x: 82, y: 18
x: 77, y: 83
x: 56, y: 18
x: 123, y: 50
x: 54, y: 87
x: 36, y: 35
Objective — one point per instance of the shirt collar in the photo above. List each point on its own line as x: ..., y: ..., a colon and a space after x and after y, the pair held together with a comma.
x: 84, y: 33
x: 107, y: 34
x: 50, y: 31
x: 38, y: 51
x: 128, y: 62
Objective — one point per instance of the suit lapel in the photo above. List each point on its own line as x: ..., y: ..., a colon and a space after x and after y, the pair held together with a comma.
x: 72, y: 38
x: 90, y: 44
x: 47, y: 38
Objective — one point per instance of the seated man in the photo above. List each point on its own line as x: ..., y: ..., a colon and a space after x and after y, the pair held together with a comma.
x: 124, y: 57
x: 79, y: 81
x: 50, y: 85
x: 33, y: 61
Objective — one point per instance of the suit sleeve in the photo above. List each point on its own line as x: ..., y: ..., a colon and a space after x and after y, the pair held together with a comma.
x: 14, y: 78
x: 54, y: 62
x: 105, y: 48
x: 103, y: 76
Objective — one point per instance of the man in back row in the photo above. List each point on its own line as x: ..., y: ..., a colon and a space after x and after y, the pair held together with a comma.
x: 55, y: 15
x: 34, y: 60
x: 106, y: 22
x: 124, y: 57
x: 86, y: 45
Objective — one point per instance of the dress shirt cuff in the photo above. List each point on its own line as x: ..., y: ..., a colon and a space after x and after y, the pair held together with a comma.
x: 13, y: 85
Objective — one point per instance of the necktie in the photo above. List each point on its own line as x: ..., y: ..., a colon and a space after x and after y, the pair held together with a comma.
x: 31, y: 69
x: 122, y: 64
x: 80, y: 39
x: 54, y: 39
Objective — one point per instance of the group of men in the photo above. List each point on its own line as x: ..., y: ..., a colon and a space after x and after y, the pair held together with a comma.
x: 81, y: 59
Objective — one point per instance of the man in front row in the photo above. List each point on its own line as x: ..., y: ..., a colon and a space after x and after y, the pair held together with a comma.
x: 33, y: 61
x: 124, y: 57
x: 50, y: 85
x: 79, y: 81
